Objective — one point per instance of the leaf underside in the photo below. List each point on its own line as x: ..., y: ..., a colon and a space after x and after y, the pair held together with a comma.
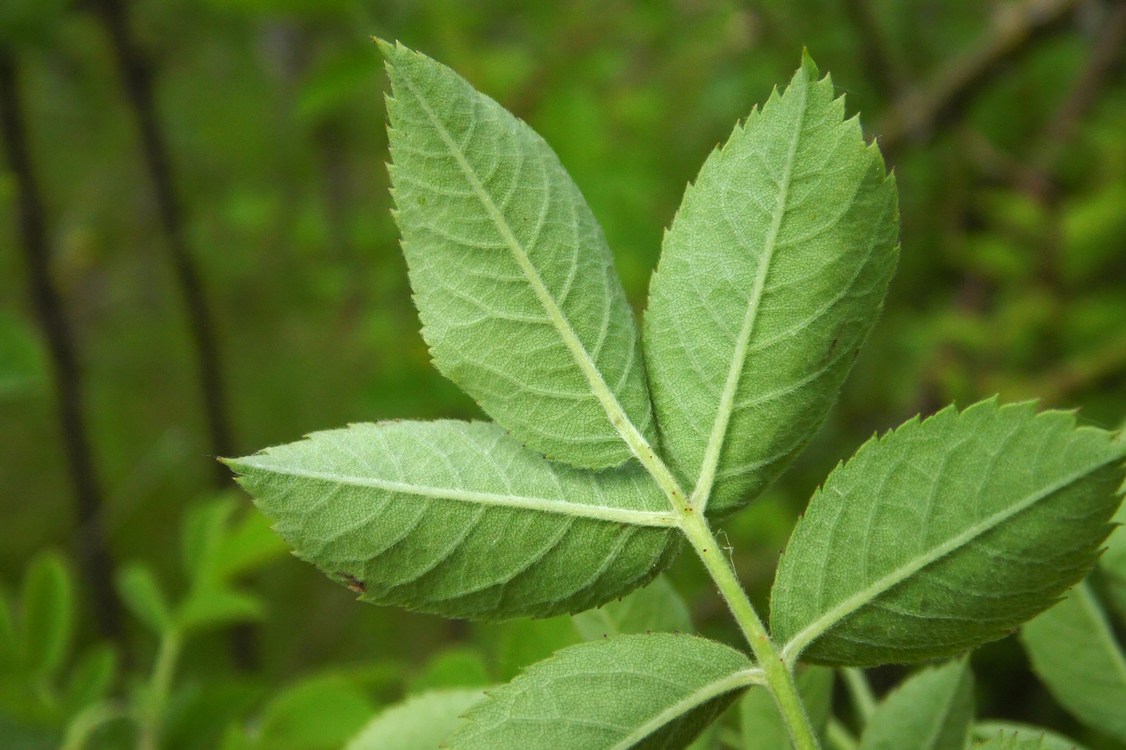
x: 1074, y: 652
x: 771, y: 276
x: 636, y: 691
x: 457, y: 519
x: 932, y: 710
x: 945, y: 534
x: 515, y: 285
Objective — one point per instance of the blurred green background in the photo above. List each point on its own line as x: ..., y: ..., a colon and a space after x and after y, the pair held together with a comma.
x: 1005, y: 121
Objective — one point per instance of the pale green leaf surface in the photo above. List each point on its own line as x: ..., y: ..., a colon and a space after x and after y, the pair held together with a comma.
x: 514, y: 282
x: 458, y: 519
x: 656, y: 608
x: 931, y: 710
x: 421, y: 722
x: 772, y: 274
x: 945, y: 534
x: 761, y: 725
x: 999, y: 730
x: 636, y: 691
x: 48, y: 613
x: 1074, y: 652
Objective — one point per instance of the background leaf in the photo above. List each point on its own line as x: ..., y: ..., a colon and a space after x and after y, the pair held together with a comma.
x: 48, y: 613
x: 514, y: 282
x: 773, y: 272
x: 458, y: 519
x: 421, y: 721
x: 1074, y: 652
x: 641, y: 691
x: 762, y: 727
x: 944, y: 534
x: 932, y: 710
x: 1000, y: 730
x: 142, y: 594
x: 656, y: 608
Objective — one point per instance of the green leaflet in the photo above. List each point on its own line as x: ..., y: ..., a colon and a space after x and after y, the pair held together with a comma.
x: 1074, y: 652
x: 944, y: 534
x: 762, y: 727
x: 1017, y: 733
x: 637, y: 691
x: 457, y: 519
x: 656, y: 608
x: 771, y: 276
x: 930, y: 711
x: 516, y: 287
x: 421, y: 722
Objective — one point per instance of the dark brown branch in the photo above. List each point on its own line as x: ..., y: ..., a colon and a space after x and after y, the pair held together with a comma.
x: 92, y: 551
x: 880, y: 65
x: 1107, y: 53
x: 916, y: 116
x: 139, y: 89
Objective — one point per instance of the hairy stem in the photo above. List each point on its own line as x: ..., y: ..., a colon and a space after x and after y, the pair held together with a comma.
x: 779, y: 678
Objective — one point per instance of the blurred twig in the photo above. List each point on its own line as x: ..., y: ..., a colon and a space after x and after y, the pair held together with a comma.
x: 881, y: 66
x: 138, y: 84
x: 96, y: 562
x: 915, y: 116
x: 137, y: 80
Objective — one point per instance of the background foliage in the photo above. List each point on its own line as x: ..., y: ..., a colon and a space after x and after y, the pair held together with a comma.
x: 1004, y: 122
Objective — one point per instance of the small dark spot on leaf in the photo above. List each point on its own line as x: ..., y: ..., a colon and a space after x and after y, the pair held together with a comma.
x: 355, y: 584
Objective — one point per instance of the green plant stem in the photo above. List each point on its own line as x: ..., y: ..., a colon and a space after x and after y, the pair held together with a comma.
x: 160, y: 685
x: 87, y: 721
x: 838, y: 737
x: 862, y: 697
x: 779, y: 678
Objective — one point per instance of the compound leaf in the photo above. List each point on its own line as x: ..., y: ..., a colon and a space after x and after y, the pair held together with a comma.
x: 945, y: 534
x: 772, y: 274
x: 516, y: 287
x: 1074, y: 652
x: 458, y: 519
x: 636, y: 691
x: 421, y: 721
x: 932, y: 710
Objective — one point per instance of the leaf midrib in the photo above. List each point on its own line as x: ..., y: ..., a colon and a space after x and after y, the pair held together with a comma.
x: 660, y: 519
x: 741, y: 679
x: 617, y: 416
x: 807, y: 635
x: 701, y: 493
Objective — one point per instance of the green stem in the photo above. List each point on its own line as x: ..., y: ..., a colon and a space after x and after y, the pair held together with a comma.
x: 779, y: 678
x: 862, y: 697
x: 87, y: 721
x: 837, y: 736
x: 160, y: 685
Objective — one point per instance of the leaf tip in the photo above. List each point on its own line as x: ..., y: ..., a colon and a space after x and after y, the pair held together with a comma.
x: 808, y: 66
